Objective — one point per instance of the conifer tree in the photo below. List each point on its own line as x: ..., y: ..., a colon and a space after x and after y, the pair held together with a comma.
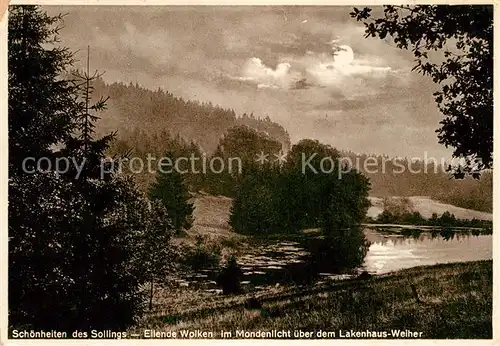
x: 76, y: 238
x: 40, y: 103
x: 171, y: 190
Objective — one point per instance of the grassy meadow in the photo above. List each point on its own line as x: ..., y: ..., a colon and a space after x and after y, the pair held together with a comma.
x: 455, y: 301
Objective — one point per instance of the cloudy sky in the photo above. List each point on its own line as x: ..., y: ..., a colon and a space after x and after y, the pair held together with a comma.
x: 308, y: 68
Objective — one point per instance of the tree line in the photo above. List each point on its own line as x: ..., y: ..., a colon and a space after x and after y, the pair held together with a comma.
x: 388, y: 176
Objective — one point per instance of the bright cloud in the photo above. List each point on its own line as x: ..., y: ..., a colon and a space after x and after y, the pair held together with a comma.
x: 343, y: 56
x: 324, y: 69
x: 341, y: 66
x: 266, y: 77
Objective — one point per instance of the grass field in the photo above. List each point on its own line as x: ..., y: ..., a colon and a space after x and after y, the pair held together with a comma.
x: 426, y: 206
x: 455, y: 302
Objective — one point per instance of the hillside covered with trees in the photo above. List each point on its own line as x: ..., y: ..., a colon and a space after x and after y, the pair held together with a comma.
x: 131, y: 108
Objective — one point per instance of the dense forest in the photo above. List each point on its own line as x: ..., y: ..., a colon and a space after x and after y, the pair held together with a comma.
x: 132, y: 107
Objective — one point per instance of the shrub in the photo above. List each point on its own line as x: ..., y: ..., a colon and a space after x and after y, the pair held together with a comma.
x: 203, y: 255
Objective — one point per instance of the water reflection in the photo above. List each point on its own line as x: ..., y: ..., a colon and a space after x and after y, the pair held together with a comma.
x: 390, y: 251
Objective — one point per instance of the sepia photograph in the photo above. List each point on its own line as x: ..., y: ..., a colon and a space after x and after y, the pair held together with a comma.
x: 249, y: 172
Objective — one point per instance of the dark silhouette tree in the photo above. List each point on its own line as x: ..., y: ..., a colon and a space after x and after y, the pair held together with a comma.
x: 256, y: 208
x: 75, y: 236
x: 307, y: 191
x: 155, y: 255
x: 243, y: 143
x: 230, y: 277
x: 465, y: 72
x: 40, y: 103
x: 170, y: 189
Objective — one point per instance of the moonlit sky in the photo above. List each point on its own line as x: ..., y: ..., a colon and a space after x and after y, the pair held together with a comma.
x: 308, y: 68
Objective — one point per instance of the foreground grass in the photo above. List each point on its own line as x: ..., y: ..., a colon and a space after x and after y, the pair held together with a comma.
x: 455, y: 302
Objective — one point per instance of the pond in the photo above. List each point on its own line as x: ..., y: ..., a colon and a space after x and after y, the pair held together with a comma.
x: 284, y: 262
x: 391, y: 251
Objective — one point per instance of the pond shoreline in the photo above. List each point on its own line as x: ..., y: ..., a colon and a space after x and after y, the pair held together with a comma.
x: 420, y: 227
x: 287, y: 261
